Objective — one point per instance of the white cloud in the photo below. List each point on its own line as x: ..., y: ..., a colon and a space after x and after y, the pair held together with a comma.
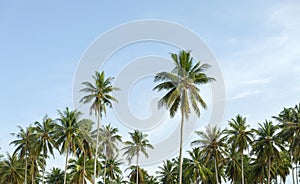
x: 246, y: 94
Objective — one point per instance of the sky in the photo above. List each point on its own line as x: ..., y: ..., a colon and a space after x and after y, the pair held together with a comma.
x: 255, y: 43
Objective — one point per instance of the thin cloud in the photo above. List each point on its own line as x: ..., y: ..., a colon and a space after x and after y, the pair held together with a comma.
x: 246, y: 94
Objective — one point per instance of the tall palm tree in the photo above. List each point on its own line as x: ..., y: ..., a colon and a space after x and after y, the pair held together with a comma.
x: 12, y: 170
x: 45, y: 134
x: 167, y: 172
x: 233, y: 165
x: 240, y: 137
x: 267, y: 145
x: 55, y: 176
x: 138, y: 144
x: 289, y: 119
x: 109, y: 144
x: 68, y: 134
x: 182, y: 86
x: 212, y: 143
x: 99, y: 95
x: 24, y: 141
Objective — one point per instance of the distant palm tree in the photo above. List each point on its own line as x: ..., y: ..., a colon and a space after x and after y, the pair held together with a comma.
x: 112, y: 168
x: 99, y: 95
x: 196, y: 170
x: 67, y: 133
x: 240, y: 137
x: 137, y: 175
x: 138, y: 144
x: 168, y: 173
x: 267, y: 145
x: 80, y: 170
x: 182, y: 86
x: 45, y: 132
x: 55, y: 176
x: 212, y: 143
x: 109, y: 144
x: 12, y: 170
x: 24, y: 141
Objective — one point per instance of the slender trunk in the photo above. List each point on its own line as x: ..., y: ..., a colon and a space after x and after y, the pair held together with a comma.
x: 44, y: 166
x: 66, y: 164
x: 26, y: 165
x: 216, y: 170
x: 83, y: 173
x: 32, y: 169
x: 137, y: 168
x: 293, y: 174
x: 297, y: 180
x: 97, y: 142
x: 243, y: 179
x: 180, y: 149
x: 105, y: 162
x: 269, y: 171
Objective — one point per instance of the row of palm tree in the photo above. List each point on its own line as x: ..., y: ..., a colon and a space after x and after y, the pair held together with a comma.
x: 239, y: 154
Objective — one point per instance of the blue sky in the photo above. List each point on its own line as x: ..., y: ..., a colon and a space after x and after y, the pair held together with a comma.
x: 256, y: 45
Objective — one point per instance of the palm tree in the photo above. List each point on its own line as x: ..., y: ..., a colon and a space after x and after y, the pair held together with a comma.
x: 289, y: 119
x: 138, y: 145
x: 55, y: 176
x: 239, y: 137
x: 24, y: 143
x: 68, y: 134
x: 267, y: 145
x: 137, y: 174
x: 182, y: 85
x: 212, y: 143
x: 11, y: 170
x: 80, y: 170
x: 99, y: 95
x: 196, y: 170
x: 109, y: 143
x: 45, y: 134
x: 167, y: 172
x: 112, y: 168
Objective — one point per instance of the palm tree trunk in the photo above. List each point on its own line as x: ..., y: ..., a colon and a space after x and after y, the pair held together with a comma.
x: 44, y: 166
x: 105, y: 162
x: 66, y: 163
x: 97, y: 142
x: 180, y: 148
x: 269, y: 171
x: 297, y: 180
x: 216, y: 170
x: 26, y: 165
x: 83, y: 173
x: 32, y: 174
x: 137, y: 168
x: 293, y: 174
x: 243, y: 180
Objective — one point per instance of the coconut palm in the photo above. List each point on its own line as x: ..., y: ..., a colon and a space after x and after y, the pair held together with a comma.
x: 240, y: 137
x: 212, y: 143
x: 68, y: 134
x: 24, y: 141
x: 289, y: 119
x: 99, y: 95
x: 137, y: 175
x: 81, y: 171
x: 44, y: 133
x: 182, y: 86
x: 138, y: 144
x: 267, y: 144
x: 109, y: 144
x: 55, y: 176
x: 112, y: 168
x: 168, y: 172
x: 12, y: 170
x: 196, y: 170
